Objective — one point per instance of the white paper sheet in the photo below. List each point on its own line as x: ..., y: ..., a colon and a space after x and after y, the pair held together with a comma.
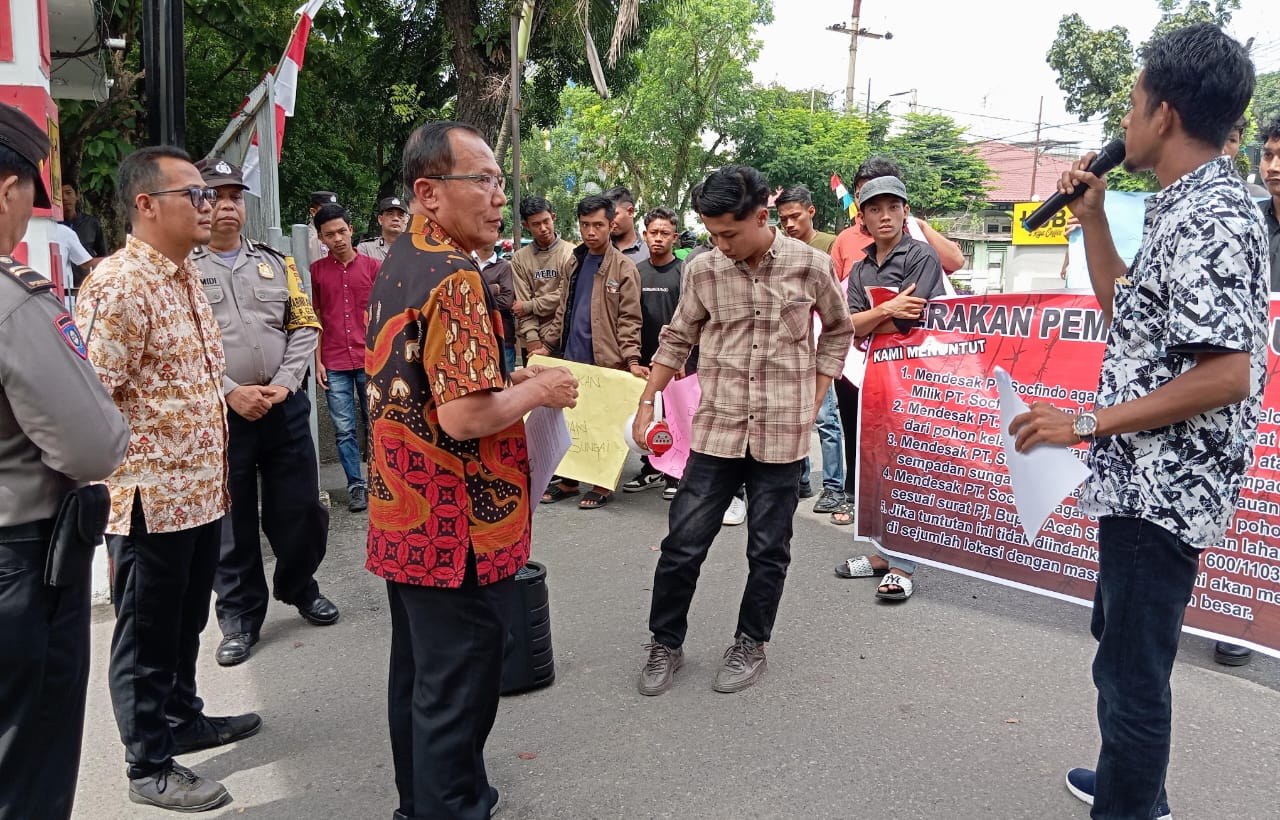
x: 548, y: 438
x: 1040, y: 478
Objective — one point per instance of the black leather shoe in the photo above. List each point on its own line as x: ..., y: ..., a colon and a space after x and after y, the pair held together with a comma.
x: 206, y: 732
x: 320, y: 612
x: 235, y: 648
x: 806, y: 490
x: 1228, y: 654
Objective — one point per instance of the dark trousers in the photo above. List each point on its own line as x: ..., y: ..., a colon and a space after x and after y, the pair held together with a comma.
x: 442, y: 693
x: 695, y: 518
x: 1145, y: 577
x: 161, y: 594
x: 44, y: 672
x: 847, y: 401
x: 278, y: 447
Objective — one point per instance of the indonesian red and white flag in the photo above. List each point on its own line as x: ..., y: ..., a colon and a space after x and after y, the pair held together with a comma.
x: 286, y: 90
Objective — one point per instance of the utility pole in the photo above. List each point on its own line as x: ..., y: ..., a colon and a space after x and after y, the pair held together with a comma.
x: 516, y: 16
x: 1035, y: 154
x: 855, y: 30
x: 165, y: 73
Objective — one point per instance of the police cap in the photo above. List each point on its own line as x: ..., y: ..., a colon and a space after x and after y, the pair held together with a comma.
x: 319, y: 198
x: 388, y: 203
x: 219, y: 172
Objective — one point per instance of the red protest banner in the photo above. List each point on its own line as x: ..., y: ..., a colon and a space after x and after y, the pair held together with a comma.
x: 932, y: 483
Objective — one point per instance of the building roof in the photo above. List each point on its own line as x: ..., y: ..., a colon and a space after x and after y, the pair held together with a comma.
x: 1011, y: 172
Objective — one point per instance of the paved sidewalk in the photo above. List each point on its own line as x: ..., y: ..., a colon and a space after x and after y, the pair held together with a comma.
x: 969, y: 701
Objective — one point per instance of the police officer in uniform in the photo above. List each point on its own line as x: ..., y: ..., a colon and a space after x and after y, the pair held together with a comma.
x: 58, y: 430
x: 393, y: 218
x: 269, y: 333
x: 315, y: 247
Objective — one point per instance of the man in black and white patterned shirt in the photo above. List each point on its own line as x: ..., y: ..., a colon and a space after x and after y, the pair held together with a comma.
x: 1178, y: 399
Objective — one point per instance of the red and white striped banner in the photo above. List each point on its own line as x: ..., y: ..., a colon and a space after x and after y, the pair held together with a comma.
x: 286, y: 90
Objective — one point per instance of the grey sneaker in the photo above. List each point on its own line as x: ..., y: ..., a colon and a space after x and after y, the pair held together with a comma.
x: 659, y: 669
x: 359, y: 499
x: 177, y: 788
x: 743, y: 665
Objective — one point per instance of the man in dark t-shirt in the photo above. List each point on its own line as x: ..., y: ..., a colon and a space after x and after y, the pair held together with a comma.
x: 660, y: 276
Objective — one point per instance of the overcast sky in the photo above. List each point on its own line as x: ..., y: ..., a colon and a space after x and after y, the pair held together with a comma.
x: 985, y: 59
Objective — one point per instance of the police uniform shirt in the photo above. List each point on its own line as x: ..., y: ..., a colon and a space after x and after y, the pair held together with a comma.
x: 269, y: 330
x: 58, y: 427
x: 374, y: 248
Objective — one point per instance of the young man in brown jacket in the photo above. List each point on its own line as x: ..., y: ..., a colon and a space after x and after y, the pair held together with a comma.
x: 598, y: 320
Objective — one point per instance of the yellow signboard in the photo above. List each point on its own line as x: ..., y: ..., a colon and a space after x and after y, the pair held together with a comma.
x: 1053, y: 232
x: 606, y: 399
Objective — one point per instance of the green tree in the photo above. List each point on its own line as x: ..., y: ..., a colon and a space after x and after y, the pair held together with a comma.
x: 943, y: 175
x: 665, y: 131
x: 1266, y: 99
x: 1098, y: 67
x: 794, y: 145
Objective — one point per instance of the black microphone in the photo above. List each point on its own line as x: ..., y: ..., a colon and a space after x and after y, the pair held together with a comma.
x: 1109, y: 157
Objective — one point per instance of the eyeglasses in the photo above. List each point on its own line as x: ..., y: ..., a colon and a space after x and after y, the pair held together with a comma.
x: 494, y: 182
x: 197, y: 194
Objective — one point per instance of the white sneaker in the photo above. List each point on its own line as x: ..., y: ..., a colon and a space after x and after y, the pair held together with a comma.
x: 736, y: 514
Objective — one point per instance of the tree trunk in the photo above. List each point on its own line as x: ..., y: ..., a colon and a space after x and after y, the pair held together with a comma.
x: 481, y: 78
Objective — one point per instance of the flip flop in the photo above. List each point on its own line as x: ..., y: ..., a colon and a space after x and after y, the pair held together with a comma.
x: 859, y: 567
x: 893, y: 579
x: 594, y: 500
x: 556, y: 493
x: 842, y: 517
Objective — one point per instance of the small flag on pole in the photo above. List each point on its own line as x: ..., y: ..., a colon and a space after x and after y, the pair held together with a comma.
x: 842, y: 194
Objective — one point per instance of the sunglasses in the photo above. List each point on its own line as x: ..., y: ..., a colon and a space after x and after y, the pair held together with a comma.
x: 197, y: 194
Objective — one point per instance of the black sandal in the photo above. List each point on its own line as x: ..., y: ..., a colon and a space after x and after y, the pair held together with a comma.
x: 594, y: 500
x: 557, y: 492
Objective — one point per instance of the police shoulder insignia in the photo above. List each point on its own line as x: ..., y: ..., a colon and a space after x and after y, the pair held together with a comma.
x: 265, y: 271
x: 71, y: 334
x: 30, y: 279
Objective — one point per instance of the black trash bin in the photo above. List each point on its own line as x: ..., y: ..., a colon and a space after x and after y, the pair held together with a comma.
x: 528, y: 663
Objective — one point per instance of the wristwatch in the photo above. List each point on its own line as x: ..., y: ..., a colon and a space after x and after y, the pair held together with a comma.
x: 1085, y: 425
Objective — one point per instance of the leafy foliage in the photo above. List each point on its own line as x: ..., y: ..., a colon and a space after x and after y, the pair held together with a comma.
x: 942, y: 174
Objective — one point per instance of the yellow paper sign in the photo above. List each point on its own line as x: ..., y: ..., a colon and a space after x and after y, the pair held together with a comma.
x: 1053, y: 232
x: 606, y: 399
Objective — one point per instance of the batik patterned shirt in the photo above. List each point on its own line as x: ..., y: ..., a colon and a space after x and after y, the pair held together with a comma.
x: 432, y: 498
x: 153, y: 340
x: 1199, y: 284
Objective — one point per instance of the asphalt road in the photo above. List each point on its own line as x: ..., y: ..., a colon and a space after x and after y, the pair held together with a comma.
x: 969, y: 701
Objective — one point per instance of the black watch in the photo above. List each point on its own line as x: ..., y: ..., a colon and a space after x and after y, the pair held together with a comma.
x: 1085, y: 426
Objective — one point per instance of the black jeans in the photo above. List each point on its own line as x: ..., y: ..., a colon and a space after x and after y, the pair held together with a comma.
x: 1145, y: 577
x: 44, y: 672
x: 296, y: 524
x: 442, y: 692
x: 847, y: 401
x: 161, y: 592
x: 695, y: 518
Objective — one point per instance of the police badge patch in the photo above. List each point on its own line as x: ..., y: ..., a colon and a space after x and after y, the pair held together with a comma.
x: 71, y: 334
x: 222, y: 168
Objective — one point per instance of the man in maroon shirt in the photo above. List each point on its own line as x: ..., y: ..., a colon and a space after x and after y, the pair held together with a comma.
x: 340, y: 285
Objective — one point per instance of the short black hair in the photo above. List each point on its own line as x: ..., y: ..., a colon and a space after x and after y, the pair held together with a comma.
x: 620, y: 194
x: 876, y: 167
x: 1270, y: 131
x: 795, y: 193
x: 68, y: 183
x: 11, y: 162
x: 428, y: 151
x: 662, y: 212
x: 595, y: 202
x: 140, y: 172
x: 531, y: 206
x: 328, y: 213
x: 1204, y: 75
x: 734, y: 189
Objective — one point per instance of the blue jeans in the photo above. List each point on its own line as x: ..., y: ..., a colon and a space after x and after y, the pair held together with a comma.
x: 1146, y: 574
x: 510, y: 354
x: 344, y: 385
x: 695, y: 518
x: 831, y: 442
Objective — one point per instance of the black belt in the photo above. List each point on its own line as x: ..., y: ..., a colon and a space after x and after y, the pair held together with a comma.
x: 34, y: 531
